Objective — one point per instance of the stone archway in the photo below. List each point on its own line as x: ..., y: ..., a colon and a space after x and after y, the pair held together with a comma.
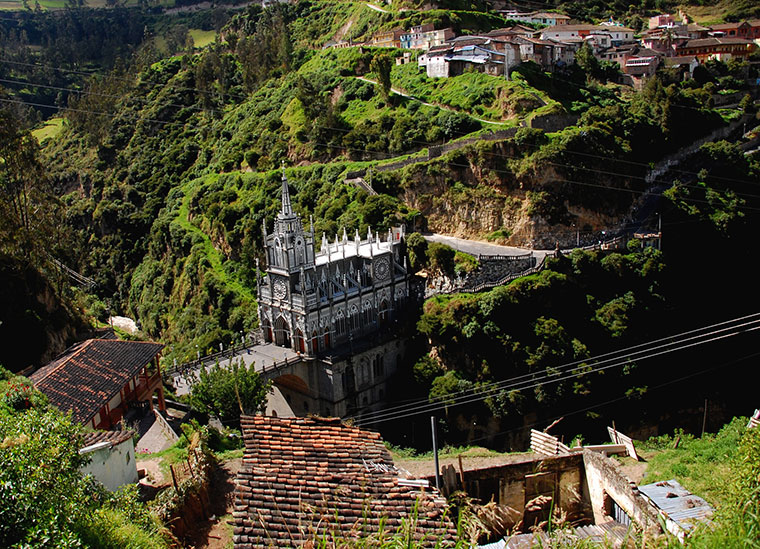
x: 281, y: 332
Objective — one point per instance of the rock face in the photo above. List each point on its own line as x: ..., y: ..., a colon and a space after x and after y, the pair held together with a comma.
x: 35, y: 323
x: 478, y: 192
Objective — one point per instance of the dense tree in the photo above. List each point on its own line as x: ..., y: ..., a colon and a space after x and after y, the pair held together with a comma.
x: 44, y: 499
x: 381, y: 65
x: 229, y: 392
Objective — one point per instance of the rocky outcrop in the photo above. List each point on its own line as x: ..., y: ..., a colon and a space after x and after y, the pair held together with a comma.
x: 36, y: 324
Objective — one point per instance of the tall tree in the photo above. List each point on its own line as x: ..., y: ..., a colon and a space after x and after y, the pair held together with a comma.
x: 25, y: 200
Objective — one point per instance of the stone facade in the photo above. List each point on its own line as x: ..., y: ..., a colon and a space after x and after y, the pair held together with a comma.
x: 315, y: 302
x: 338, y: 309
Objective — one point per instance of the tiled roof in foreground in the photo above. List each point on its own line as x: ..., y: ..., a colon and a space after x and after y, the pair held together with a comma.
x: 90, y: 373
x: 317, y: 479
x: 113, y: 438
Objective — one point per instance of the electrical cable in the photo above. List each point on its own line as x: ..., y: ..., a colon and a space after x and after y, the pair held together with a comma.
x: 613, y: 355
x: 477, y: 396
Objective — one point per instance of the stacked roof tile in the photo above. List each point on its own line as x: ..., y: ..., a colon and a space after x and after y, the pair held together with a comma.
x: 317, y: 479
x: 92, y: 372
x: 113, y: 438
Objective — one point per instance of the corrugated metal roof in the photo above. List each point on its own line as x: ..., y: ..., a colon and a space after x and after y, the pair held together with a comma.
x: 608, y: 534
x: 678, y: 504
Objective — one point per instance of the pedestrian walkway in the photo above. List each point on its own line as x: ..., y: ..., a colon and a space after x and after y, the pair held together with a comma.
x: 259, y: 355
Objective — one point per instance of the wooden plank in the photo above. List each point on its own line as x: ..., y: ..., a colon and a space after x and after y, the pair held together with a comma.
x: 619, y: 438
x: 607, y: 448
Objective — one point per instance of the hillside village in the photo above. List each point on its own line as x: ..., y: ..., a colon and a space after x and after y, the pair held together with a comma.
x: 669, y: 41
x: 386, y: 281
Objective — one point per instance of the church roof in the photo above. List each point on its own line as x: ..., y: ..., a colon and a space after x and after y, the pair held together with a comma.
x: 372, y: 247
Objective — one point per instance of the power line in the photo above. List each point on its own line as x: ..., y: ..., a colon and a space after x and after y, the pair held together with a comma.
x: 624, y: 397
x: 529, y: 378
x: 528, y: 381
x: 614, y: 354
x: 435, y: 407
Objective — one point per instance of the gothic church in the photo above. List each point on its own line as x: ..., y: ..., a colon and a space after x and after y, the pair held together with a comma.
x: 318, y: 303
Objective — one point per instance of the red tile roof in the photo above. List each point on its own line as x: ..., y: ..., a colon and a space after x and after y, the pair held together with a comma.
x: 91, y: 373
x: 316, y: 478
x: 114, y: 438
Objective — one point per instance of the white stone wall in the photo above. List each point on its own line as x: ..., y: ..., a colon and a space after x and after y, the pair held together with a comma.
x: 112, y: 466
x: 602, y: 477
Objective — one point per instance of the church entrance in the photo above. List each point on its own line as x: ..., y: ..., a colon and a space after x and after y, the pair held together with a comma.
x: 281, y: 332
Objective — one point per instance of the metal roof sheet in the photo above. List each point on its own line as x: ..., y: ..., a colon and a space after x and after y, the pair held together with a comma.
x: 677, y: 503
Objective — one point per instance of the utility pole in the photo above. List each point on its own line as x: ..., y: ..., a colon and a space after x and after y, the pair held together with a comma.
x: 435, y: 454
x: 659, y: 231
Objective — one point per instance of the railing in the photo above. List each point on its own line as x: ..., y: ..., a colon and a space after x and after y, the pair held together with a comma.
x: 497, y: 257
x: 277, y: 366
x: 208, y: 360
x: 505, y: 279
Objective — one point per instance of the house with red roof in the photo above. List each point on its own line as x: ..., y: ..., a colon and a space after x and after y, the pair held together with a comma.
x: 305, y: 480
x: 722, y: 49
x: 97, y: 379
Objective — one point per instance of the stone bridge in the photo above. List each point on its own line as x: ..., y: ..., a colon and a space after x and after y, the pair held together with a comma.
x: 339, y: 385
x: 299, y: 382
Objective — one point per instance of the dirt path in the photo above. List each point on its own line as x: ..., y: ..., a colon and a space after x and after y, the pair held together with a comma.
x: 153, y: 474
x: 435, y: 105
x: 216, y: 533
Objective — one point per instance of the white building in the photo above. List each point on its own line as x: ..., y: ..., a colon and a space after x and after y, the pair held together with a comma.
x: 314, y: 302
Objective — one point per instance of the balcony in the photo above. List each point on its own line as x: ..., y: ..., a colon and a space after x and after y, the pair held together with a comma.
x: 146, y: 386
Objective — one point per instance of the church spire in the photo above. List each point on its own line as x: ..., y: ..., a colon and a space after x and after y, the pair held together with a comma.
x: 287, y: 209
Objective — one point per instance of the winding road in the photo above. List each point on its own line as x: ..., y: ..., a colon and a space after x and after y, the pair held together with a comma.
x: 476, y: 247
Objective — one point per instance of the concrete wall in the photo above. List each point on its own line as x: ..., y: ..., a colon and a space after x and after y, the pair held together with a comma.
x: 111, y: 466
x: 553, y: 122
x: 343, y: 386
x: 604, y: 479
x: 516, y: 484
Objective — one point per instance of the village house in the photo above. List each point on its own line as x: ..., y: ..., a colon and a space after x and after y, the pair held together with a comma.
x: 614, y: 35
x: 98, y: 379
x: 112, y: 458
x: 748, y: 30
x: 722, y: 49
x: 547, y: 53
x: 485, y: 54
x: 304, y: 480
x: 387, y: 39
x: 424, y: 37
x: 684, y: 65
x: 537, y: 17
x: 640, y: 67
x: 663, y: 20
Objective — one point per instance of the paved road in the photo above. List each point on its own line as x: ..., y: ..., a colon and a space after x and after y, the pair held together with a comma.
x: 476, y: 247
x: 260, y: 355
